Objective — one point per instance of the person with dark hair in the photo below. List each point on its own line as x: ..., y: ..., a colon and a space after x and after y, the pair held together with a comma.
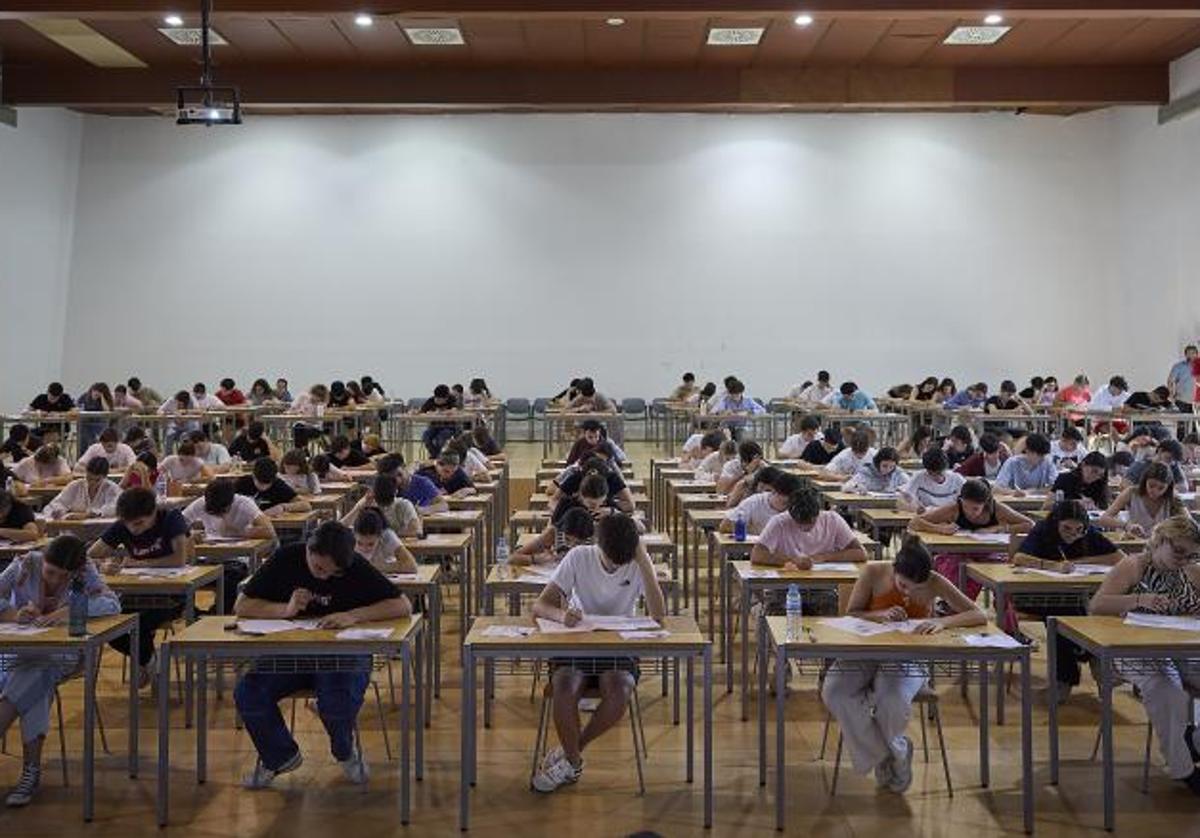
x: 344, y: 455
x: 959, y: 445
x: 881, y: 474
x: 591, y: 435
x: 1183, y: 378
x: 448, y: 475
x: 108, y: 446
x: 223, y: 514
x: 380, y: 545
x: 1005, y: 402
x: 872, y: 703
x: 311, y: 403
x: 438, y: 432
x: 486, y: 443
x: 849, y: 398
x: 808, y: 431
x: 371, y: 387
x: 685, y: 390
x: 820, y: 452
x: 858, y: 452
x: 773, y: 490
x: 737, y: 474
x: 35, y: 590
x: 945, y: 389
x: 143, y: 474
x: 229, y: 394
x: 213, y: 454
x: 973, y: 397
x: 148, y: 537
x: 282, y: 393
x: 91, y: 496
x: 591, y: 499
x: 606, y: 579
x: 322, y: 579
x: 987, y: 460
x: 568, y: 481
x: 736, y: 405
x: 204, y: 400
x: 926, y: 390
x: 1112, y: 397
x: 1087, y: 483
x: 814, y: 393
x: 327, y: 472
x: 398, y: 513
x: 17, y: 521
x: 1170, y: 454
x: 701, y: 447
x: 251, y: 442
x: 1029, y: 471
x: 261, y: 393
x: 19, y: 444
x: 272, y: 494
x: 1068, y: 450
x: 932, y: 487
x: 54, y: 400
x: 806, y: 535
x: 47, y: 467
x: 591, y: 400
x: 1141, y: 507
x: 296, y: 471
x: 917, y: 443
x: 1145, y: 400
x: 185, y: 465
x: 148, y: 396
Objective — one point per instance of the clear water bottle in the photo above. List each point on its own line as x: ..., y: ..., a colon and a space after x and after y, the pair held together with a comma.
x: 502, y: 557
x: 77, y: 609
x: 1059, y: 496
x: 793, y: 608
x: 739, y: 526
x: 8, y: 484
x: 160, y: 485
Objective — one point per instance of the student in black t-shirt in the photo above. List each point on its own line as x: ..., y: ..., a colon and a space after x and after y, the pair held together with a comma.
x: 269, y: 491
x: 568, y: 482
x: 323, y: 579
x: 1157, y: 399
x: 449, y: 476
x: 17, y: 522
x: 251, y: 443
x: 437, y: 433
x: 1088, y: 483
x: 344, y: 455
x: 150, y: 537
x: 19, y: 443
x: 820, y: 451
x: 54, y: 400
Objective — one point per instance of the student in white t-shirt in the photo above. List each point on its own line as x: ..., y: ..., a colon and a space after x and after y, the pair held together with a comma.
x: 607, y: 579
x: 223, y: 513
x: 399, y: 513
x: 212, y: 454
x: 805, y: 534
x: 184, y: 465
x: 810, y: 429
x: 881, y: 474
x: 773, y: 488
x: 699, y: 446
x: 934, y: 486
x: 738, y: 475
x: 378, y: 543
x: 91, y: 496
x: 45, y: 467
x: 713, y: 465
x: 849, y: 460
x: 108, y: 447
x: 1066, y: 452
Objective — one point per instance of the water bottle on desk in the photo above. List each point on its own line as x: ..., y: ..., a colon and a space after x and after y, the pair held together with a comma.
x: 794, y: 608
x: 77, y: 609
x: 160, y: 485
x: 739, y: 526
x: 502, y: 557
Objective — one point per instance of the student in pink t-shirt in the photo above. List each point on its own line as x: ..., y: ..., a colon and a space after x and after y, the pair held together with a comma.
x: 805, y: 534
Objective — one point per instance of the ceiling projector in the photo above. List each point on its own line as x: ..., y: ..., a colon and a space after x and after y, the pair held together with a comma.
x: 207, y: 106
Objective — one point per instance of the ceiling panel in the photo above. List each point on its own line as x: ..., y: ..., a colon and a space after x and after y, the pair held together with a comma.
x: 383, y: 42
x: 1146, y: 42
x: 605, y: 44
x: 906, y: 41
x: 22, y: 45
x: 850, y: 40
x: 674, y: 40
x: 255, y: 40
x: 1026, y: 39
x: 555, y: 40
x: 316, y: 38
x: 495, y: 40
x: 785, y: 43
x: 142, y: 38
x: 1087, y: 39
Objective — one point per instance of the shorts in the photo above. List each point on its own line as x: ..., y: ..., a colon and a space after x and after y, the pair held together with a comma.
x: 592, y: 668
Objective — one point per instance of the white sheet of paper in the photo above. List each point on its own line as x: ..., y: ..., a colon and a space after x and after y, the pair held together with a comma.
x: 1162, y: 621
x: 551, y: 627
x: 275, y: 626
x: 1093, y: 569
x: 883, y: 494
x: 996, y: 641
x: 159, y: 572
x: 508, y: 631
x: 835, y: 567
x: 21, y: 629
x: 986, y: 537
x: 644, y: 635
x: 402, y: 577
x: 364, y: 634
x: 604, y: 623
x: 868, y: 628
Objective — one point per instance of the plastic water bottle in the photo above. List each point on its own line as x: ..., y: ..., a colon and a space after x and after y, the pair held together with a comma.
x: 8, y: 484
x: 160, y: 485
x: 1059, y: 496
x: 793, y: 609
x: 502, y: 557
x: 739, y: 526
x: 77, y: 609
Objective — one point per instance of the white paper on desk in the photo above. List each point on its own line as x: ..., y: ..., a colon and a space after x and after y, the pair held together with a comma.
x: 402, y: 577
x: 867, y: 628
x: 644, y: 635
x: 986, y: 537
x: 20, y: 629
x: 275, y: 626
x: 508, y: 631
x: 883, y: 494
x: 605, y: 623
x: 996, y: 641
x: 1077, y: 572
x: 221, y: 539
x: 154, y: 572
x: 537, y: 573
x: 551, y: 627
x: 364, y: 634
x: 835, y: 567
x: 1162, y: 621
x: 756, y: 573
x: 1092, y: 569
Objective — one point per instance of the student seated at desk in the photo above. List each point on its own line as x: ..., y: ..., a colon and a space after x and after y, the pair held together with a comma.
x: 185, y: 465
x: 281, y: 391
x: 926, y: 390
x: 325, y: 471
x: 17, y: 521
x: 272, y: 495
x: 229, y: 394
x: 946, y: 389
x: 1077, y: 393
x: 809, y: 431
x: 142, y: 474
x: 821, y: 451
x: 1157, y: 399
x: 148, y: 396
x: 590, y: 400
x: 151, y: 537
x: 251, y: 442
x: 344, y: 455
x: 91, y: 496
x: 295, y: 470
x: 702, y: 398
x: 847, y: 461
x: 213, y: 454
x: 737, y: 474
x: 324, y: 579
x: 1139, y: 509
x: 850, y: 399
x: 881, y: 474
x: 372, y: 446
x: 1066, y: 536
x: 438, y: 433
x: 448, y: 475
x: 772, y: 490
x: 473, y: 461
x: 591, y: 437
x: 45, y: 468
x: 713, y: 464
x: 109, y: 448
x: 204, y: 400
x: 1170, y: 454
x: 477, y: 394
x: 1088, y: 483
x: 987, y: 460
x: 310, y: 403
x: 917, y: 443
x: 872, y: 704
x: 486, y: 443
x: 261, y: 393
x: 568, y: 481
x: 399, y: 513
x: 1163, y: 579
x: 973, y: 397
x: 573, y: 527
x: 699, y: 446
x: 340, y: 396
x: 736, y: 405
x: 959, y: 445
x: 417, y: 489
x: 224, y: 514
x: 900, y: 392
x: 607, y: 579
x: 180, y: 403
x: 379, y: 544
x: 35, y: 590
x: 684, y: 390
x: 932, y: 487
x: 806, y: 534
x: 1031, y: 470
x: 1068, y: 450
x: 18, y: 445
x: 1006, y: 401
x: 813, y: 393
x: 54, y: 400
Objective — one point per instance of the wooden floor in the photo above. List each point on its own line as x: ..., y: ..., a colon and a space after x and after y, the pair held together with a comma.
x: 315, y: 800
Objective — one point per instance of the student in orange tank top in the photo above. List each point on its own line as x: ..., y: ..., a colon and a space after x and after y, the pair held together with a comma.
x: 872, y: 705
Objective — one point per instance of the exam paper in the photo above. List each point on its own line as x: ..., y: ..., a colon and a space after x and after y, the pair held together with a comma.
x: 757, y: 573
x: 275, y: 626
x: 1162, y: 621
x: 508, y: 631
x: 835, y: 567
x: 364, y: 634
x: 644, y: 635
x: 157, y: 572
x: 401, y: 577
x: 1079, y: 570
x: 598, y: 623
x: 986, y: 537
x: 20, y: 629
x: 868, y: 628
x: 997, y: 641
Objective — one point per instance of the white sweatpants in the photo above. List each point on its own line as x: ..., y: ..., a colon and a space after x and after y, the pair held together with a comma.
x: 28, y: 684
x: 872, y: 707
x: 1167, y: 704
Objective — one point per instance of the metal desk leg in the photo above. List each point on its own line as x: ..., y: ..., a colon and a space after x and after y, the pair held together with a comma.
x: 726, y: 628
x: 134, y: 701
x: 691, y: 717
x: 422, y: 690
x: 462, y: 601
x: 164, y: 725
x: 405, y: 729
x: 708, y: 738
x: 675, y: 698
x: 1026, y: 744
x: 984, y: 765
x: 780, y: 711
x: 1052, y: 673
x: 1106, y: 732
x: 467, y: 739
x: 745, y: 675
x: 702, y: 533
x: 89, y: 730
x: 202, y: 721
x: 761, y: 657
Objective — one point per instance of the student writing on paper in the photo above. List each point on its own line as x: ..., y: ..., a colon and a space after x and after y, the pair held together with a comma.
x: 805, y: 534
x: 91, y: 496
x: 325, y: 579
x: 872, y: 705
x: 224, y: 514
x: 773, y: 490
x: 264, y: 486
x: 1147, y: 503
x: 17, y: 522
x: 881, y: 474
x: 567, y: 530
x: 399, y: 513
x: 1163, y: 579
x: 109, y: 448
x: 378, y: 543
x: 607, y: 579
x: 34, y: 591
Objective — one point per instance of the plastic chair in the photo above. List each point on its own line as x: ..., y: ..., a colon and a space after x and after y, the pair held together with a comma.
x: 635, y: 410
x: 539, y: 411
x: 520, y: 410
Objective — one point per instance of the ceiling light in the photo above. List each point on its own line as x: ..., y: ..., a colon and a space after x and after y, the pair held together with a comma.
x: 173, y: 20
x: 742, y: 36
x: 615, y: 21
x: 977, y: 36
x: 434, y: 36
x: 994, y: 19
x: 364, y: 20
x: 804, y: 20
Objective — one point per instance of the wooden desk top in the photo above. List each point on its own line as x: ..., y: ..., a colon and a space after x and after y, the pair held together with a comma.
x: 294, y: 520
x: 887, y: 516
x: 961, y: 543
x: 211, y: 632
x: 191, y: 576
x: 998, y: 573
x: 426, y: 575
x: 652, y: 541
x: 57, y: 638
x: 857, y: 501
x: 9, y: 550
x: 826, y: 639
x: 684, y: 634
x: 438, y: 543
x: 841, y: 577
x: 229, y: 549
x: 1112, y: 633
x: 725, y: 540
x: 454, y: 518
x: 527, y: 580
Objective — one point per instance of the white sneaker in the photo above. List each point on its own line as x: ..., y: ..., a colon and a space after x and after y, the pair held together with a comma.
x: 22, y: 793
x: 552, y: 756
x: 355, y: 769
x: 902, y: 769
x: 559, y: 773
x: 883, y: 773
x: 148, y: 673
x: 262, y: 777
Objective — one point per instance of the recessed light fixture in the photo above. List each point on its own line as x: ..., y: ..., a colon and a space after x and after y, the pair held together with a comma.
x: 173, y: 20
x: 804, y: 20
x: 742, y: 36
x: 364, y: 20
x: 434, y: 36
x: 615, y: 21
x: 994, y: 19
x: 976, y: 36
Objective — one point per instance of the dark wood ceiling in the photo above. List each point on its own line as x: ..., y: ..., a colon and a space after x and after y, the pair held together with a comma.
x: 297, y: 55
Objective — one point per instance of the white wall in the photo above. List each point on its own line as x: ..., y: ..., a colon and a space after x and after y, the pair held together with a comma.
x: 39, y: 166
x: 531, y: 248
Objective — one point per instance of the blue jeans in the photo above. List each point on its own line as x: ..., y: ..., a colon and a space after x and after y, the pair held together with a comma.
x: 339, y: 698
